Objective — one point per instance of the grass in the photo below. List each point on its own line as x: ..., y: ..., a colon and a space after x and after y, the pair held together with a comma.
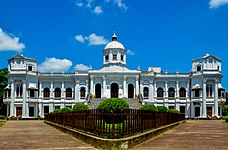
x: 2, y: 122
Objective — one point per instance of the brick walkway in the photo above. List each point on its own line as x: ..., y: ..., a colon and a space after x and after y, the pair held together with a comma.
x: 36, y: 135
x: 193, y: 135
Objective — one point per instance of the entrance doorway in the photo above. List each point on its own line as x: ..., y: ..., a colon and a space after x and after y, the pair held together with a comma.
x: 130, y: 91
x: 114, y: 90
x: 31, y: 111
x: 98, y: 90
x: 18, y: 111
x: 209, y: 111
x: 197, y: 111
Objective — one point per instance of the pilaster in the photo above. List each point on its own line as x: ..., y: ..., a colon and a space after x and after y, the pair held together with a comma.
x: 216, y: 98
x: 204, y: 99
x: 12, y: 112
x: 24, y: 107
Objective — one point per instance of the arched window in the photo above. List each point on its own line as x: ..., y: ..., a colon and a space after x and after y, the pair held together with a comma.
x: 82, y: 93
x: 182, y: 92
x: 160, y: 92
x: 209, y: 90
x: 171, y: 92
x: 68, y: 93
x: 46, y: 93
x: 57, y: 93
x: 145, y: 92
x: 19, y: 90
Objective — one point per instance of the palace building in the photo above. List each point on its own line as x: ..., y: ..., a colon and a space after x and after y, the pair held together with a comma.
x: 197, y: 93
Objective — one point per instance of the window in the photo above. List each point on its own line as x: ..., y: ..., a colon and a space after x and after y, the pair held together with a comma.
x: 182, y: 92
x: 57, y: 93
x: 68, y: 93
x: 46, y: 93
x: 209, y: 90
x: 57, y: 107
x: 19, y: 90
x: 106, y: 58
x: 197, y: 93
x: 218, y: 68
x: 182, y: 109
x: 32, y: 93
x: 198, y: 68
x: 46, y: 109
x: 29, y: 68
x: 160, y: 92
x: 171, y: 107
x: 122, y: 57
x: 145, y: 92
x: 114, y: 57
x: 171, y: 92
x: 82, y: 93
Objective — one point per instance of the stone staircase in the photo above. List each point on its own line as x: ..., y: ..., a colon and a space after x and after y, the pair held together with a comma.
x: 133, y: 102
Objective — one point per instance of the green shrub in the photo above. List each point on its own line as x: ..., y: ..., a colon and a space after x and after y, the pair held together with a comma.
x: 225, y: 110
x: 149, y: 107
x: 225, y: 118
x: 65, y: 109
x: 2, y: 117
x: 113, y: 104
x: 57, y: 111
x: 162, y: 109
x: 80, y: 106
x: 173, y: 111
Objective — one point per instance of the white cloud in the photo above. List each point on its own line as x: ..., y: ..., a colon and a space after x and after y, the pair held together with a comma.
x: 98, y: 10
x: 55, y: 65
x: 10, y: 43
x: 79, y: 38
x: 79, y: 4
x: 82, y: 67
x: 217, y: 3
x: 130, y: 52
x: 94, y: 39
x: 89, y: 2
x: 120, y: 4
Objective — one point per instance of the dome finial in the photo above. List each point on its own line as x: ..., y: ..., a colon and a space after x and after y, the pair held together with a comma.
x: 114, y: 37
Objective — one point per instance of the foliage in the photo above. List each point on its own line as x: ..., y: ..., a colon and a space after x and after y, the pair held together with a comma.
x: 3, y: 84
x: 162, y: 109
x: 226, y: 118
x: 225, y: 110
x: 2, y: 117
x: 111, y: 104
x: 149, y: 107
x: 65, y: 109
x: 173, y: 111
x: 57, y: 111
x: 80, y: 106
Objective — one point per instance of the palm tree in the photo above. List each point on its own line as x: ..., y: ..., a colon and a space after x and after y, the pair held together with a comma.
x: 3, y: 84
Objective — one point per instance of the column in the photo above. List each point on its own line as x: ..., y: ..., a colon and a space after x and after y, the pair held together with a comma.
x: 155, y: 93
x: 92, y: 86
x: 12, y: 99
x: 40, y: 110
x: 104, y: 86
x: 62, y: 91
x: 124, y: 87
x: 137, y: 86
x: 24, y: 107
x: 151, y: 91
x: 192, y: 110
x: 166, y: 89
x: 40, y: 90
x: 216, y: 98
x: 177, y: 96
x: 51, y: 94
x: 204, y: 99
x: 76, y: 90
x: 7, y: 113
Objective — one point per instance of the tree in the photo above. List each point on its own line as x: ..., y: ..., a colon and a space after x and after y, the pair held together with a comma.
x: 3, y: 84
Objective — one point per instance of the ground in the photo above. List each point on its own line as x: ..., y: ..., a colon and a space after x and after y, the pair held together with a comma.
x: 36, y: 135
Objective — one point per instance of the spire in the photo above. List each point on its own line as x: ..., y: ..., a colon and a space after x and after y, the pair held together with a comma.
x: 114, y: 37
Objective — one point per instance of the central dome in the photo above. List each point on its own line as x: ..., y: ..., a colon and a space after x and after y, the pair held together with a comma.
x: 114, y: 43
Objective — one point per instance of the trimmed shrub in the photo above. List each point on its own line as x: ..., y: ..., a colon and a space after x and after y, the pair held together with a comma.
x: 80, y: 106
x: 173, y: 111
x: 224, y: 110
x: 65, y: 109
x: 149, y: 107
x: 111, y: 104
x: 225, y: 118
x: 162, y: 109
x: 56, y: 111
x: 2, y: 117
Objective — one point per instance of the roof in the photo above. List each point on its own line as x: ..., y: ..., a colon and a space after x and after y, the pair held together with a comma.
x: 114, y: 43
x: 20, y: 56
x: 206, y: 56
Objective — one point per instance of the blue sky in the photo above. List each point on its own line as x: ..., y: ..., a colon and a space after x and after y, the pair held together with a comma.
x: 165, y: 33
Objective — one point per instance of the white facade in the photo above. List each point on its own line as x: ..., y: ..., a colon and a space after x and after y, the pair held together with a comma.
x: 32, y: 93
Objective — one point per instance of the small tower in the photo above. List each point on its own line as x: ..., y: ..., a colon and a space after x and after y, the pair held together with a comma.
x: 114, y: 53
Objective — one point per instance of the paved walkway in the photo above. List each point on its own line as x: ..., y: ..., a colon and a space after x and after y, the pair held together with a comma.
x: 193, y: 135
x: 36, y: 135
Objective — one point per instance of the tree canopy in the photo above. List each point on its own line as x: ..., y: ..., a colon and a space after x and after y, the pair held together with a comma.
x: 3, y: 84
